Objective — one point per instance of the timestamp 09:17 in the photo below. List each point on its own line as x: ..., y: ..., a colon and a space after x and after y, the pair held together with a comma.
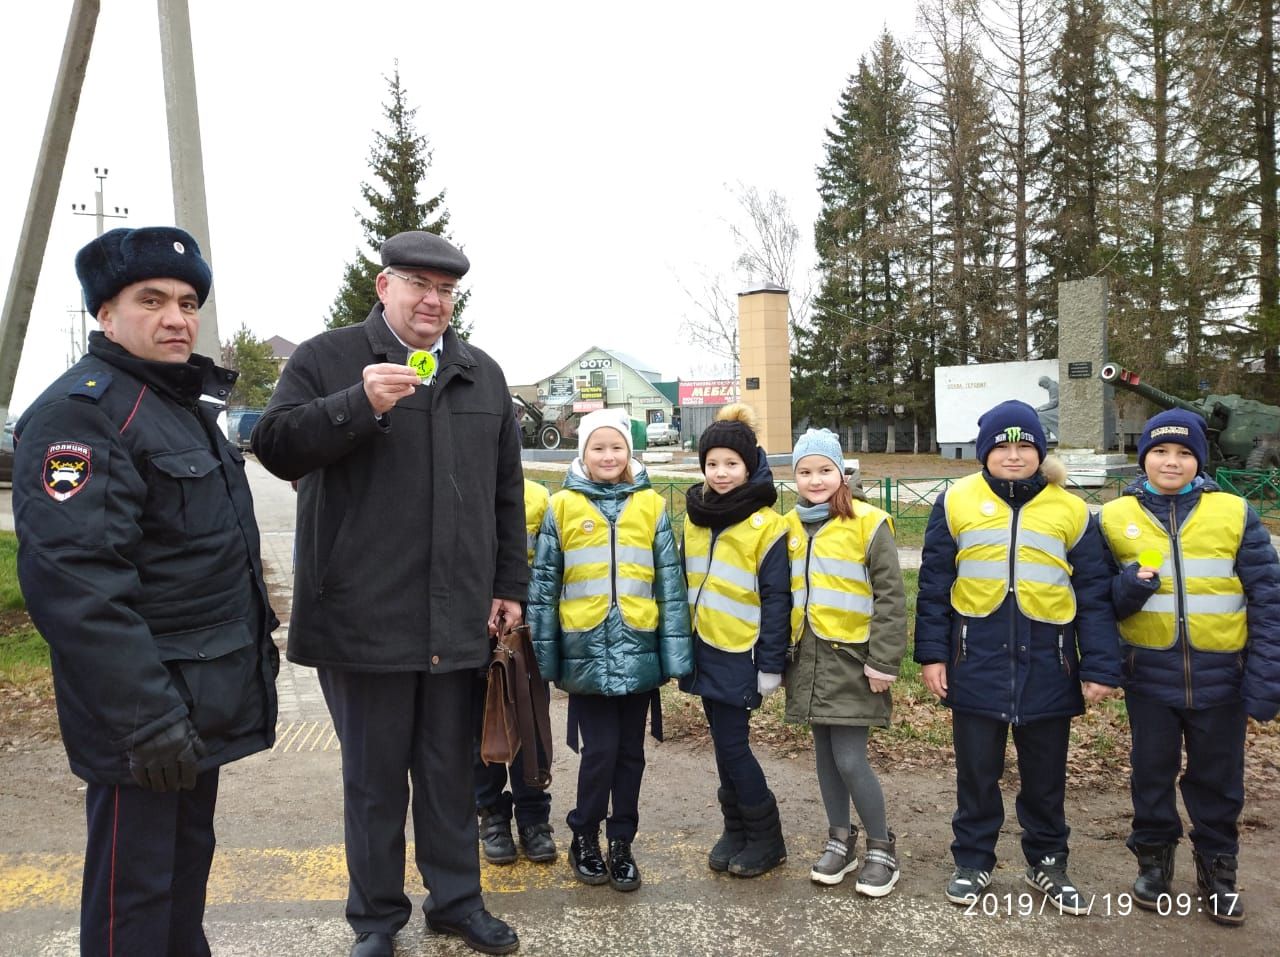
x: 1027, y: 904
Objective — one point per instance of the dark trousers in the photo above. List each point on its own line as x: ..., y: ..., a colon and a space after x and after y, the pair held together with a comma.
x: 146, y: 867
x: 1042, y: 766
x: 532, y: 805
x: 736, y: 764
x: 1212, y: 785
x: 612, y: 762
x: 396, y: 728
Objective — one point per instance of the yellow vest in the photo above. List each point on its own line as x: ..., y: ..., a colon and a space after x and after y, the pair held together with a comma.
x: 1197, y: 575
x: 535, y: 506
x: 724, y: 593
x: 604, y: 563
x: 1048, y: 527
x: 829, y: 581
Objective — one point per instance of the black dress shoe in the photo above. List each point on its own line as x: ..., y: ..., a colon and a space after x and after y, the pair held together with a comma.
x: 537, y: 843
x: 585, y: 860
x: 373, y: 945
x: 623, y: 873
x: 480, y: 931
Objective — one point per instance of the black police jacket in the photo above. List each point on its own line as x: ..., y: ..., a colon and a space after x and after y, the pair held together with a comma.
x: 139, y: 559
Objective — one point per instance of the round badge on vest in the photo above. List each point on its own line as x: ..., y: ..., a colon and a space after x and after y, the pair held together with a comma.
x: 588, y: 526
x: 795, y: 542
x: 988, y: 508
x: 757, y: 521
x: 1131, y: 531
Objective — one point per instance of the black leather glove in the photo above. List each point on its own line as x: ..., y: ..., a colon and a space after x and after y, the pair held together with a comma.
x: 167, y: 760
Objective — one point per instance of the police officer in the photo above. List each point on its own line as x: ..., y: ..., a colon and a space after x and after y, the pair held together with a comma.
x: 138, y: 557
x: 411, y: 552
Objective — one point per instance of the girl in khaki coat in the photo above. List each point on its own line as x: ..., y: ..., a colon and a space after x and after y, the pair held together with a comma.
x: 849, y: 633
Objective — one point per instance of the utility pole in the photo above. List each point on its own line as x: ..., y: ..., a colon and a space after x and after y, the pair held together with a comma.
x: 34, y: 237
x: 76, y: 347
x: 101, y: 216
x: 186, y: 156
x: 99, y: 210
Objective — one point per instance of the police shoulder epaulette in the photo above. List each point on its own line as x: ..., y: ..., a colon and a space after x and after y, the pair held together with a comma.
x: 91, y: 385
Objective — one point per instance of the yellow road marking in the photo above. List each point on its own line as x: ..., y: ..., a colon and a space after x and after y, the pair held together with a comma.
x: 298, y: 736
x: 251, y: 875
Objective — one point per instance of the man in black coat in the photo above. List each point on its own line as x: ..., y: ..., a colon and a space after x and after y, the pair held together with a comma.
x: 138, y: 557
x: 410, y: 553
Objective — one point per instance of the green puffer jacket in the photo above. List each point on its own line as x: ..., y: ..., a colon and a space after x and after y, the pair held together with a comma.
x: 825, y: 679
x: 612, y: 658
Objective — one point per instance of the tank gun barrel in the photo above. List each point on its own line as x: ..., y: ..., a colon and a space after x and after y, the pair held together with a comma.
x: 1117, y: 376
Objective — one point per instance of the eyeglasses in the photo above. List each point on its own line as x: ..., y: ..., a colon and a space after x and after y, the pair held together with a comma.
x: 421, y: 287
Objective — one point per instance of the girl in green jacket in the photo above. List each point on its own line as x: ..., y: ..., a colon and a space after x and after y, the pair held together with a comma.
x: 848, y: 633
x: 610, y: 620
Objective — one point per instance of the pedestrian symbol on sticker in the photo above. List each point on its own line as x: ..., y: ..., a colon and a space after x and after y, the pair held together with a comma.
x: 67, y: 468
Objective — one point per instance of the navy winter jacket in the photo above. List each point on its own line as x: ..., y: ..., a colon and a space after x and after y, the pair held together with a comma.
x: 1181, y: 676
x: 728, y: 676
x: 1006, y: 666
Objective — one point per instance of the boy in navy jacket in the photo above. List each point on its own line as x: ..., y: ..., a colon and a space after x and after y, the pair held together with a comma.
x: 1014, y: 629
x: 1197, y: 594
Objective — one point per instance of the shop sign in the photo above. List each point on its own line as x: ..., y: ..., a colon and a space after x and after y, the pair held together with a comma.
x: 707, y: 391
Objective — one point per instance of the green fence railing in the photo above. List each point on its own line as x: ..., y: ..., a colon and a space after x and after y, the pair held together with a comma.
x: 900, y: 497
x: 1260, y: 487
x: 914, y: 497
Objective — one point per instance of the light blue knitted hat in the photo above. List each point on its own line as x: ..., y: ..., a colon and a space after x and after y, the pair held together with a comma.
x: 822, y: 442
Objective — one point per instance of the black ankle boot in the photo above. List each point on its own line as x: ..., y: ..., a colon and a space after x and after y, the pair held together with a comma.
x: 1155, y: 872
x: 585, y: 860
x: 1216, y: 879
x: 624, y: 875
x: 537, y: 843
x: 495, y: 836
x: 734, y: 836
x: 765, y: 848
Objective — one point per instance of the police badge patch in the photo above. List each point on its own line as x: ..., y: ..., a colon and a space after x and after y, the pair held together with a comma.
x: 67, y: 467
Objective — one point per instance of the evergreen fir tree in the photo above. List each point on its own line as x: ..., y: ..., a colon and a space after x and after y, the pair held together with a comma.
x: 848, y: 362
x: 1077, y: 210
x: 400, y: 160
x: 251, y: 357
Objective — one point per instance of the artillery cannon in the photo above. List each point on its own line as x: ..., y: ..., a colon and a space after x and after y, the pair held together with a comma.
x: 1243, y: 433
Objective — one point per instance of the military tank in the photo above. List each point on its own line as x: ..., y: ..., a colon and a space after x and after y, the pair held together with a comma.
x: 1243, y: 433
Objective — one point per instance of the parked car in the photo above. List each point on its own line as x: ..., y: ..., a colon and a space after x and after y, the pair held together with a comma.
x: 662, y: 433
x: 240, y: 423
x: 6, y: 454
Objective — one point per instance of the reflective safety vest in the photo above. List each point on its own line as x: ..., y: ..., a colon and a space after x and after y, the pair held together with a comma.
x: 1197, y: 576
x: 607, y: 562
x: 987, y: 532
x: 724, y: 594
x: 536, y: 498
x: 829, y: 582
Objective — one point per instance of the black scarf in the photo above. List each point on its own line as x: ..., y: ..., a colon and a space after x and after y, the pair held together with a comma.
x: 1016, y: 492
x: 716, y: 512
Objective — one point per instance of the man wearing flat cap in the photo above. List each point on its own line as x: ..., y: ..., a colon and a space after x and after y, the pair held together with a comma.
x: 138, y: 558
x: 410, y: 553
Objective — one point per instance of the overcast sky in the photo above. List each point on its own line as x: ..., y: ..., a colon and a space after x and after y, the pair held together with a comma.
x: 589, y: 152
